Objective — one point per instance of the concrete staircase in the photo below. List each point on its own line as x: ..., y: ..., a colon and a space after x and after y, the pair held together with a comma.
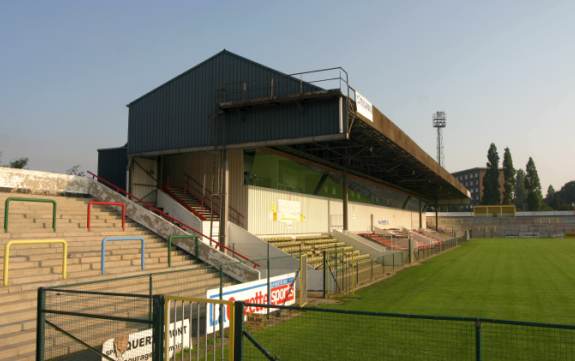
x: 191, y: 203
x: 33, y: 266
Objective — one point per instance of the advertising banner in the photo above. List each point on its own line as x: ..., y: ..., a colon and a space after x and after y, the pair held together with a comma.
x: 137, y: 346
x: 282, y: 292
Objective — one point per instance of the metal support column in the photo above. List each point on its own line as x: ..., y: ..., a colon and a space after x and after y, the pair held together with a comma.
x: 436, y: 217
x: 420, y: 215
x: 345, y: 199
x: 225, y: 197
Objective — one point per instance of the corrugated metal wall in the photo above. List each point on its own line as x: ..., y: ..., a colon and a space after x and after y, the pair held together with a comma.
x: 320, y: 214
x: 263, y: 202
x: 182, y: 113
x: 113, y: 165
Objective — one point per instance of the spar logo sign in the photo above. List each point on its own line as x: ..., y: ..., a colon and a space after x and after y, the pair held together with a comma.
x: 282, y: 292
x: 137, y: 346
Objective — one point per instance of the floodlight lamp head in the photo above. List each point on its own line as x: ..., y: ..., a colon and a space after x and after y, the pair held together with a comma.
x: 439, y: 120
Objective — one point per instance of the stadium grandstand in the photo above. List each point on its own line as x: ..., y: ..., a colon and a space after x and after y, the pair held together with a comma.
x: 246, y: 159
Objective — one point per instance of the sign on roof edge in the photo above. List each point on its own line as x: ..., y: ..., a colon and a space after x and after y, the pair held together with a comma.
x: 364, y: 106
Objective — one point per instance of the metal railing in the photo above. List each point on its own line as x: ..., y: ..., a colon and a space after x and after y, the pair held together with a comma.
x: 213, y: 243
x: 9, y: 244
x: 88, y: 325
x: 318, y: 333
x: 202, y: 340
x: 210, y: 199
x: 295, y: 86
x: 342, y: 274
x: 10, y: 200
x: 113, y: 204
x: 120, y: 238
x: 77, y: 324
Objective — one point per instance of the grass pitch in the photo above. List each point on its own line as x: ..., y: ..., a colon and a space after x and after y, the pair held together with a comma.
x: 515, y: 279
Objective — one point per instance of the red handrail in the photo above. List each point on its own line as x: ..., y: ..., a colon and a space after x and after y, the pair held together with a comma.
x: 115, y: 204
x: 174, y: 220
x: 205, y: 199
x: 167, y: 190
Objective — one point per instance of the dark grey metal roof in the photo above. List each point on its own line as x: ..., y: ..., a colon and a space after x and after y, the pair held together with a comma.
x: 184, y: 113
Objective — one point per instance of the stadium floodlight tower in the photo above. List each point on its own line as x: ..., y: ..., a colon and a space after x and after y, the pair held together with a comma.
x: 440, y: 122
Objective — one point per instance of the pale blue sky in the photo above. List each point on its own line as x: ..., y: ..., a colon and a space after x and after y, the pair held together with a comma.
x: 502, y: 70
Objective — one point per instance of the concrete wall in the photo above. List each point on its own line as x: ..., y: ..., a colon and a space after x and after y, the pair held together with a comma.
x: 31, y: 181
x: 320, y: 214
x: 543, y: 223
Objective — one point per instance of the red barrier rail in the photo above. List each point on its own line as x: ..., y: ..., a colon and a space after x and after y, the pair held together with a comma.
x: 183, y: 203
x: 113, y: 204
x: 166, y: 216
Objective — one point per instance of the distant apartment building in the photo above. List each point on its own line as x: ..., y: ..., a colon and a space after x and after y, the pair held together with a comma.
x: 472, y: 179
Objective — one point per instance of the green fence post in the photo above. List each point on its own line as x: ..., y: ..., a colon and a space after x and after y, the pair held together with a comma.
x: 238, y: 330
x: 150, y: 294
x: 324, y: 261
x: 478, y: 340
x: 54, y: 216
x: 158, y: 319
x: 6, y: 205
x: 40, y: 324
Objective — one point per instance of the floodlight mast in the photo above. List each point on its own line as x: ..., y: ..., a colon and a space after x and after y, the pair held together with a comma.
x: 440, y: 122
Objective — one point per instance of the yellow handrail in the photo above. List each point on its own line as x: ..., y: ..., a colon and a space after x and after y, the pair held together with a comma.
x: 35, y: 241
x: 169, y: 300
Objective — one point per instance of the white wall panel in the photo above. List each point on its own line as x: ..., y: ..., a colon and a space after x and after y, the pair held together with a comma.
x: 320, y: 215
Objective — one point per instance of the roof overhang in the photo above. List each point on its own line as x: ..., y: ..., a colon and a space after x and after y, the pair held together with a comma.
x: 380, y: 150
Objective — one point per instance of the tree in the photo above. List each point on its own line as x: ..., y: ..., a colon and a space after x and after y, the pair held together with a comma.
x: 550, y: 200
x: 509, y: 178
x: 564, y: 199
x: 19, y: 163
x: 491, y: 193
x: 533, y: 187
x: 76, y: 170
x: 520, y: 191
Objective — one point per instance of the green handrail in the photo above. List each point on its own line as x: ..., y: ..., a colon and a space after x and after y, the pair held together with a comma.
x: 181, y: 236
x: 33, y: 200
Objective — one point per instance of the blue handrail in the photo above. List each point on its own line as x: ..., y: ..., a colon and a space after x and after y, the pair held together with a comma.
x: 120, y: 238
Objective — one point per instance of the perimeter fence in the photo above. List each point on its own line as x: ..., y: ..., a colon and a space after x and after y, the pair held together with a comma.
x: 341, y: 274
x: 311, y: 333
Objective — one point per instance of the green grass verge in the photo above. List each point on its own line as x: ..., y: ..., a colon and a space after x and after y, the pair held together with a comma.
x: 516, y: 279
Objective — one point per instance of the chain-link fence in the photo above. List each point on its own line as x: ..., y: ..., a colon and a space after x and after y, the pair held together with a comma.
x: 88, y: 325
x: 342, y: 274
x: 296, y: 333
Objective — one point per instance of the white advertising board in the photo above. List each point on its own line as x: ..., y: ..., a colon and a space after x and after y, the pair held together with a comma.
x: 289, y: 211
x: 137, y: 346
x: 282, y: 290
x: 364, y: 106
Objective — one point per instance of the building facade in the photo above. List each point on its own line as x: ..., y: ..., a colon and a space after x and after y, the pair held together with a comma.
x: 472, y: 179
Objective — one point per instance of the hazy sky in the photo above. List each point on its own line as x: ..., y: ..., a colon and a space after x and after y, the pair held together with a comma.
x: 504, y: 71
